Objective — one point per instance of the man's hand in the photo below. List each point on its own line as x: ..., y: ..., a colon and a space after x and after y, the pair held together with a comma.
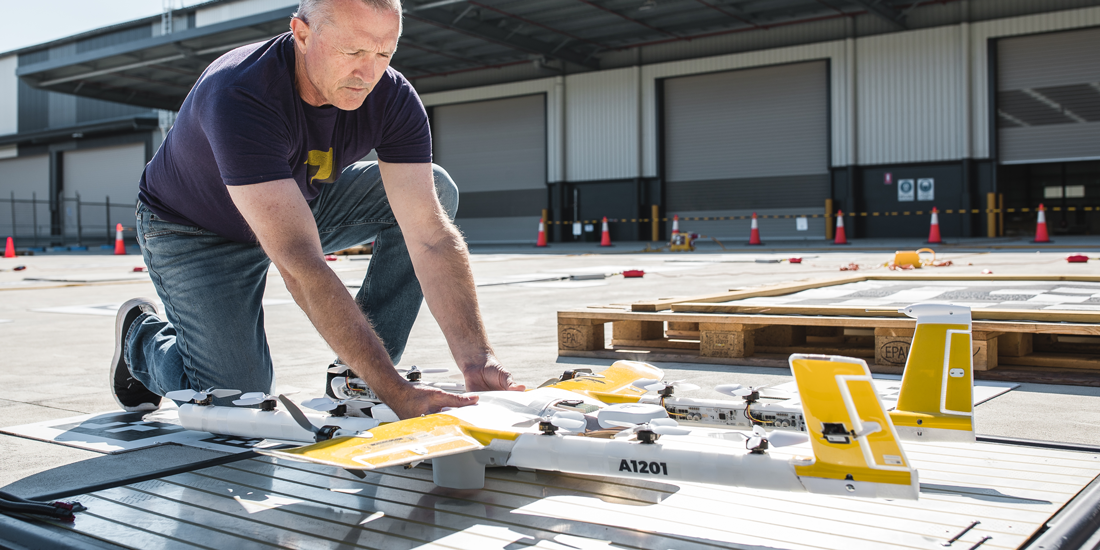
x: 491, y: 376
x: 420, y: 400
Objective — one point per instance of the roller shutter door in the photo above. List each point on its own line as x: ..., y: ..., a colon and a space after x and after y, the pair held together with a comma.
x: 97, y: 174
x: 496, y: 153
x: 1048, y: 97
x: 748, y: 140
x: 24, y: 178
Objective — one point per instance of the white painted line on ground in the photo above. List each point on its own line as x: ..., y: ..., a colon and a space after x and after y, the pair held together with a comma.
x: 1057, y: 299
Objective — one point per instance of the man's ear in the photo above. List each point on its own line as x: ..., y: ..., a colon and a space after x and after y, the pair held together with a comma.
x: 301, y: 31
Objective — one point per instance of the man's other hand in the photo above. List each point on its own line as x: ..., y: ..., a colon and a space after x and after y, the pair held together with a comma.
x: 492, y: 376
x: 420, y: 400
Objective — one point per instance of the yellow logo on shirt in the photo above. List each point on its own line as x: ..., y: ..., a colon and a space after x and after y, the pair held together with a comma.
x: 320, y: 166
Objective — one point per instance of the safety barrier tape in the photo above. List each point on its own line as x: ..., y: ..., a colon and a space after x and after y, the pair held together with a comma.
x: 846, y: 215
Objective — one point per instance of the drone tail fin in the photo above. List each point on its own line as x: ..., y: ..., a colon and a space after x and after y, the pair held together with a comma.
x: 936, y: 402
x: 856, y: 449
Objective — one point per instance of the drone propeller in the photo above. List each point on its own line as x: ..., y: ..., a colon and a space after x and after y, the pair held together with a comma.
x: 199, y: 396
x: 758, y: 443
x: 664, y: 388
x: 323, y: 404
x: 429, y: 370
x: 254, y: 398
x: 659, y: 426
x: 569, y: 420
x: 734, y: 390
x: 337, y: 368
x: 447, y: 386
x: 319, y: 434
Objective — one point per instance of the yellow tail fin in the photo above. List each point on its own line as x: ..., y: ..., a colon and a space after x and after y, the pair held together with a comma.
x: 856, y: 449
x: 936, y: 402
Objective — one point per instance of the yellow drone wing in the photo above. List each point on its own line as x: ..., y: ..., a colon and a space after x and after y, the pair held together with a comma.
x: 614, y: 384
x: 396, y: 443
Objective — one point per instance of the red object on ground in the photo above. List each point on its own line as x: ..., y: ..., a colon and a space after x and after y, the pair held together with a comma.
x: 840, y: 237
x: 987, y: 272
x: 139, y: 269
x: 9, y: 249
x: 676, y: 224
x: 330, y: 257
x: 19, y: 268
x: 1077, y: 258
x: 754, y: 231
x: 542, y: 234
x: 632, y: 273
x: 605, y: 238
x: 934, y: 231
x: 1041, y: 235
x: 120, y: 247
x: 795, y: 260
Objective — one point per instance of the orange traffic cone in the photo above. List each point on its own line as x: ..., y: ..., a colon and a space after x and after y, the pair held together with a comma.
x: 9, y: 250
x: 934, y: 231
x: 754, y: 231
x: 120, y: 247
x: 841, y: 238
x: 542, y: 234
x: 605, y: 239
x: 1041, y: 235
x: 676, y: 224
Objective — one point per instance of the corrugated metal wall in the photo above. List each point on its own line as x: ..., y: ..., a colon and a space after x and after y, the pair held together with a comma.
x: 979, y: 56
x: 24, y: 176
x: 602, y: 117
x: 910, y: 95
x: 96, y: 174
x: 493, y: 145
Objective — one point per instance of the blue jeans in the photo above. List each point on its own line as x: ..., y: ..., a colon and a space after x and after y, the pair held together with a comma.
x: 212, y: 288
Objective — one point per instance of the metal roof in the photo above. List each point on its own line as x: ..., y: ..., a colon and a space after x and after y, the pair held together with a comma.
x: 446, y: 37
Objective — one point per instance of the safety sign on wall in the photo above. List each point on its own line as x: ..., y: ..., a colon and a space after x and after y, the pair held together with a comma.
x: 905, y: 190
x: 926, y: 189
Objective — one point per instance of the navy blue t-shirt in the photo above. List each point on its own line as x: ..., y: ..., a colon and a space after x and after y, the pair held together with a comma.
x: 244, y: 123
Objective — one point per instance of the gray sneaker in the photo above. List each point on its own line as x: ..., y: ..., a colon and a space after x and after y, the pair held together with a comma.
x: 130, y: 394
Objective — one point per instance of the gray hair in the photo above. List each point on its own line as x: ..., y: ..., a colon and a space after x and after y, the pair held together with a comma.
x: 317, y: 12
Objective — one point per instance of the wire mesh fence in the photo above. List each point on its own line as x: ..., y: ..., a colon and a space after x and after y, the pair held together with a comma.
x: 78, y: 222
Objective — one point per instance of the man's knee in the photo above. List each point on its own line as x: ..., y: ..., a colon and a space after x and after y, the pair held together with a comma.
x: 446, y: 190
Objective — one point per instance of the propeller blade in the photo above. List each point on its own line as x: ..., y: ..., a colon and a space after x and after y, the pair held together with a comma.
x: 669, y: 430
x: 625, y: 434
x: 664, y: 422
x: 568, y: 423
x: 246, y: 401
x: 734, y: 390
x: 754, y: 442
x: 297, y: 414
x: 221, y: 393
x: 685, y: 386
x: 643, y: 383
x: 323, y: 404
x: 434, y: 370
x: 772, y: 393
x: 338, y: 369
x: 783, y: 439
x: 570, y: 414
x: 183, y: 395
x: 759, y: 431
x: 656, y: 386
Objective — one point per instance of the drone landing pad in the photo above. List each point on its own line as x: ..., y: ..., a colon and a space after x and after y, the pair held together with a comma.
x: 118, y: 432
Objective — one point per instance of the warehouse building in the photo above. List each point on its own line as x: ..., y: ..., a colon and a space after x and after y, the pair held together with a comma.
x: 592, y: 108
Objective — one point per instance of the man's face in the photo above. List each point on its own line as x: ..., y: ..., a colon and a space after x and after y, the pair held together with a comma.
x: 343, y: 57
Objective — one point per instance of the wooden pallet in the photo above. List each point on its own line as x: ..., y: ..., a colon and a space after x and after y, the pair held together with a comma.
x: 1049, y: 346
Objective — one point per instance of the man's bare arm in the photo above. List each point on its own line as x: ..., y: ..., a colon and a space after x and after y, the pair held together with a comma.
x: 284, y: 225
x: 442, y: 265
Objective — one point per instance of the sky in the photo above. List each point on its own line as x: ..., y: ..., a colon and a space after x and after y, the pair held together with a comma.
x: 31, y: 22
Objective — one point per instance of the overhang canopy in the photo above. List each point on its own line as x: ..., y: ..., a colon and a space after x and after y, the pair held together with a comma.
x: 443, y: 37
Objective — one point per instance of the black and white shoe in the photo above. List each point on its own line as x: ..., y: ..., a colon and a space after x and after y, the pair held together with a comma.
x: 130, y: 394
